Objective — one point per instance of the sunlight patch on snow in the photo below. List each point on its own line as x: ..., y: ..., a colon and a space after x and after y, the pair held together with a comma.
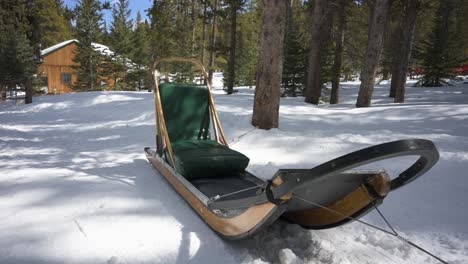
x: 53, y: 106
x: 36, y: 139
x: 18, y: 200
x: 454, y: 156
x: 194, y: 244
x: 111, y: 98
x: 10, y: 152
x: 105, y: 138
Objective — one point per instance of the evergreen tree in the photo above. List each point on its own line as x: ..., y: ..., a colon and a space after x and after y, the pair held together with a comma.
x: 88, y: 30
x: 339, y: 34
x: 171, y: 35
x: 443, y: 49
x: 356, y: 39
x: 247, y: 42
x: 19, y: 45
x: 294, y: 67
x: 121, y: 42
x: 234, y: 6
x: 212, y: 47
x: 53, y: 26
x: 140, y: 56
x: 67, y: 14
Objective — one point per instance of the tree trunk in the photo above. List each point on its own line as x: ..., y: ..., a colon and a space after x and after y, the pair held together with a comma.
x: 232, y: 49
x: 313, y: 87
x: 29, y: 91
x: 193, y: 28
x: 339, y: 40
x: 91, y: 74
x: 270, y: 65
x: 2, y: 92
x: 202, y: 57
x: 212, y: 43
x: 395, y: 39
x: 385, y: 74
x: 374, y: 48
x: 409, y: 26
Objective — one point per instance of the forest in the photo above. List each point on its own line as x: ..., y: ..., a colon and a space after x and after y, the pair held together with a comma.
x: 286, y: 49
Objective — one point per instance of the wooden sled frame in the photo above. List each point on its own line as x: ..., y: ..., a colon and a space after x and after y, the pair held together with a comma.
x: 161, y: 130
x: 284, y: 194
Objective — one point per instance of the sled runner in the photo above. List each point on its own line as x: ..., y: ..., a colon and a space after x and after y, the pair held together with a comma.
x: 192, y: 153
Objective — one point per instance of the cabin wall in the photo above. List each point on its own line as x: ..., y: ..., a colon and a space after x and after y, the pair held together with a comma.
x: 56, y: 63
x: 61, y: 61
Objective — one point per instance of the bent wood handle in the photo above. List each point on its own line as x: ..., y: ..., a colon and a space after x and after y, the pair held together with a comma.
x: 425, y: 149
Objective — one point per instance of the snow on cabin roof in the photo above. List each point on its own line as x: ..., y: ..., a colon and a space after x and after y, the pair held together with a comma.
x: 57, y: 47
x: 103, y: 49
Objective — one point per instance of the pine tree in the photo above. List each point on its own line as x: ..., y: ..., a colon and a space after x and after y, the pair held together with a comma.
x: 88, y: 30
x: 140, y: 56
x: 294, y: 67
x: 121, y: 41
x: 19, y: 45
x: 340, y: 21
x: 212, y: 48
x: 53, y: 26
x: 234, y: 6
x: 247, y: 44
x: 443, y: 50
x: 356, y: 39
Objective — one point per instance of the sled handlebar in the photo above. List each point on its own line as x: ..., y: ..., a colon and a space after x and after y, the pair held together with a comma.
x: 425, y: 149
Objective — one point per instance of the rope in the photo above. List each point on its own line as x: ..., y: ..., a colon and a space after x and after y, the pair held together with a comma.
x: 217, y: 197
x: 393, y: 233
x: 236, y: 139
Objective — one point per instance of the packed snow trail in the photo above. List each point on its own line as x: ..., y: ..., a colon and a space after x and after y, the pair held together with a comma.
x: 75, y: 186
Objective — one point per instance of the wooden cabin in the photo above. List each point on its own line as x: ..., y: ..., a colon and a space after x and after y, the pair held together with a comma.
x: 56, y: 67
x: 57, y: 70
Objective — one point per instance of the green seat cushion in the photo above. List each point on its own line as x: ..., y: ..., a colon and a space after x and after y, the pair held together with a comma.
x: 207, y: 158
x: 186, y: 111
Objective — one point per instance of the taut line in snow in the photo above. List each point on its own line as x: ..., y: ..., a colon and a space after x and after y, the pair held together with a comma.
x: 393, y: 233
x: 80, y: 228
x: 236, y: 139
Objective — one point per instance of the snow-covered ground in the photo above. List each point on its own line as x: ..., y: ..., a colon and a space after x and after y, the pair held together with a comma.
x: 75, y: 186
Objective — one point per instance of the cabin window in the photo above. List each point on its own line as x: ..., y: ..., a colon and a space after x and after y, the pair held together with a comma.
x: 66, y: 78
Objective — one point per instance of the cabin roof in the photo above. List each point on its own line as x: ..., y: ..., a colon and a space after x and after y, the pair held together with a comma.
x: 58, y: 46
x: 103, y: 49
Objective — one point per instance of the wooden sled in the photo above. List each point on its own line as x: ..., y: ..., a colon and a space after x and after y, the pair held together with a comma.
x: 192, y: 153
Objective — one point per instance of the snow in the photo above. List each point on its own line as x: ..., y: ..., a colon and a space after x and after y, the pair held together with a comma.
x: 57, y: 46
x: 103, y: 49
x: 76, y: 188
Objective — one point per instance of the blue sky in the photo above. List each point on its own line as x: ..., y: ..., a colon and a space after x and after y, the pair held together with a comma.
x: 135, y: 6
